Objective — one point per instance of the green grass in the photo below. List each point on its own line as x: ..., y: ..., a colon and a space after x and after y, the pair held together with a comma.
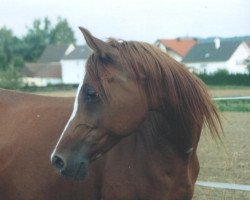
x: 233, y: 105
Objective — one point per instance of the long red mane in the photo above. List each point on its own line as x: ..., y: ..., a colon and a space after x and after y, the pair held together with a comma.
x: 184, y: 97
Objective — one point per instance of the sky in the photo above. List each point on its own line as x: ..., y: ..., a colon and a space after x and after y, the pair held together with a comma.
x: 143, y: 20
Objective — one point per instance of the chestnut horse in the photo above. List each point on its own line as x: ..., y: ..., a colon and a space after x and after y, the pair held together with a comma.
x: 29, y: 127
x: 138, y: 116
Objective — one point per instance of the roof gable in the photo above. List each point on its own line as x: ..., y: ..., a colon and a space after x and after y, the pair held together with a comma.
x: 80, y: 52
x: 44, y: 70
x: 53, y: 53
x: 180, y: 46
x: 207, y: 52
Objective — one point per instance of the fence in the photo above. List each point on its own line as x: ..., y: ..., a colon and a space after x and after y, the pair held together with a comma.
x: 229, y: 186
x: 231, y: 98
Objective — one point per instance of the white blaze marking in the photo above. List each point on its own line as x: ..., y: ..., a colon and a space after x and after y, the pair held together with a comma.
x: 73, y: 115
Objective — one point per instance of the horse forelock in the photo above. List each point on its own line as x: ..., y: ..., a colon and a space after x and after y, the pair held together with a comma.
x: 168, y: 83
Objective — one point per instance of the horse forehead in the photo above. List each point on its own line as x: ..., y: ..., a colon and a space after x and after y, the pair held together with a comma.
x: 109, y: 74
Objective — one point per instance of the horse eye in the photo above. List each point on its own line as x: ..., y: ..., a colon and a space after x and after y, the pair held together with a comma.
x: 90, y: 95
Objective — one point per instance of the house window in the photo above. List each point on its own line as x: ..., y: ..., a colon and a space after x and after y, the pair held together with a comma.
x: 203, y: 68
x: 207, y: 55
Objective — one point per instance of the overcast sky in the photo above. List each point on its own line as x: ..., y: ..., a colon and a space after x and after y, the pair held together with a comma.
x: 144, y: 20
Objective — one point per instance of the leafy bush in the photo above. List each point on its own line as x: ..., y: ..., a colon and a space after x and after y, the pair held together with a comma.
x: 10, y: 78
x: 234, y: 105
x: 221, y: 72
x: 222, y: 78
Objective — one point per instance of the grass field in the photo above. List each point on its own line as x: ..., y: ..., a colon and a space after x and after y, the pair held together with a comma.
x: 228, y: 163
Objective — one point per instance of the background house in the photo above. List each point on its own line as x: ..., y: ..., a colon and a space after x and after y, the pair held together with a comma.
x: 47, y: 70
x: 53, y: 53
x: 73, y: 65
x: 64, y: 64
x: 209, y: 57
x: 42, y: 74
x: 176, y: 48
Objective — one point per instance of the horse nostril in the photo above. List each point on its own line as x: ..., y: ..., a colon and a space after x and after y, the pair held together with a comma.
x: 58, y: 162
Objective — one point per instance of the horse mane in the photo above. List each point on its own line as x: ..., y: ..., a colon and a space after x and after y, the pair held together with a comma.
x: 179, y: 94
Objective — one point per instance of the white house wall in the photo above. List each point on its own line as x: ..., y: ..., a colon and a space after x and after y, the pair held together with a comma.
x: 73, y: 71
x: 208, y: 68
x: 161, y: 46
x: 174, y: 55
x: 236, y: 63
x: 41, y: 82
x: 171, y: 53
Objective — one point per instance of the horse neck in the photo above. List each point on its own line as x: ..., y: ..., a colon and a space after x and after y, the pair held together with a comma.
x: 163, y: 134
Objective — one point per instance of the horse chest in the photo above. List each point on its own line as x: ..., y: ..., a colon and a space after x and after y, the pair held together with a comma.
x: 142, y: 191
x: 131, y: 191
x: 134, y: 174
x: 132, y: 180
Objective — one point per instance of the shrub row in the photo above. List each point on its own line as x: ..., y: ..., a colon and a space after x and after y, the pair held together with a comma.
x: 233, y: 105
x: 225, y: 79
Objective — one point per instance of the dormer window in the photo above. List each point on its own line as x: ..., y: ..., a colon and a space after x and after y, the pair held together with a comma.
x: 207, y: 55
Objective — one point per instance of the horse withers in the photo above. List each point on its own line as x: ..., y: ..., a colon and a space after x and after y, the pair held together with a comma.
x: 138, y: 116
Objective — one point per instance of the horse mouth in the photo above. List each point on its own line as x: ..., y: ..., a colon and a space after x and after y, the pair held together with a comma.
x: 78, y: 172
x: 81, y: 172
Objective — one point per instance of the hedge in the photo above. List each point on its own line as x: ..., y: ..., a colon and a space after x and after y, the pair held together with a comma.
x: 225, y: 79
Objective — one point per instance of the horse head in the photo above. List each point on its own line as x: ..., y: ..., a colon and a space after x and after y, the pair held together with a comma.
x: 124, y: 83
x: 109, y: 105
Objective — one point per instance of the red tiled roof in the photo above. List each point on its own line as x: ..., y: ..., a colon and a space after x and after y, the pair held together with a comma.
x: 180, y: 46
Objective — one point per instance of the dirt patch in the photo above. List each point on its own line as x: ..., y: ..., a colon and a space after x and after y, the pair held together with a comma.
x: 229, y: 92
x: 66, y: 93
x: 230, y: 162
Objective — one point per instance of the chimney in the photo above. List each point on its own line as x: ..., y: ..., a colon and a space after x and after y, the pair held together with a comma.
x: 217, y: 43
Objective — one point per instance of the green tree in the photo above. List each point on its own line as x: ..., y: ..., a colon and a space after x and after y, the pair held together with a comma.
x: 36, y: 39
x: 3, y: 59
x: 10, y: 78
x: 9, y: 52
x: 221, y: 72
x: 43, y: 33
x: 62, y: 33
x: 6, y: 38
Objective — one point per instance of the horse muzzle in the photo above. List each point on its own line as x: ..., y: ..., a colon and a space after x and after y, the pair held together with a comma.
x: 73, y: 168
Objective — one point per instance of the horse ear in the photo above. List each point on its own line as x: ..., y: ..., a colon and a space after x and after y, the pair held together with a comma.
x: 101, y: 48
